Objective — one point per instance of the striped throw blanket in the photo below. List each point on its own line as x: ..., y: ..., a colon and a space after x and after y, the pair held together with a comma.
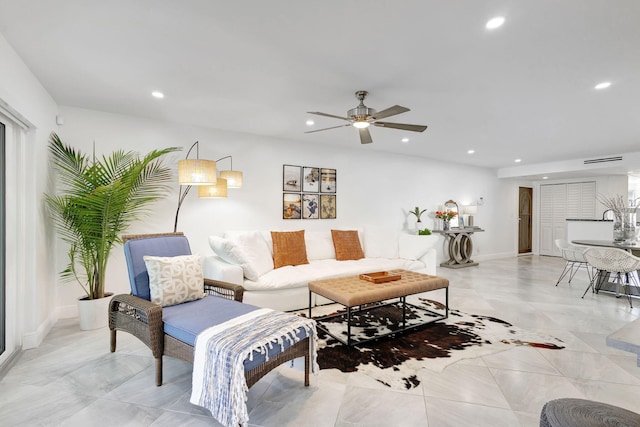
x: 218, y: 381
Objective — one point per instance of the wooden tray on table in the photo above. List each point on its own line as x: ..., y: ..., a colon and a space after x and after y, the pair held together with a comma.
x: 380, y: 277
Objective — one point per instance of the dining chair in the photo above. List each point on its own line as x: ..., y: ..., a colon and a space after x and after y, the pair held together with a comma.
x: 574, y: 257
x: 613, y: 261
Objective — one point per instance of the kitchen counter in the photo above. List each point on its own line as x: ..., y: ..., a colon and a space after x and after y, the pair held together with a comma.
x: 589, y: 229
x: 592, y: 220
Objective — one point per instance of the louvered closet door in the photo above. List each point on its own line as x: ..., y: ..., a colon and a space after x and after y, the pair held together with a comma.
x: 546, y: 219
x: 581, y: 200
x: 559, y: 202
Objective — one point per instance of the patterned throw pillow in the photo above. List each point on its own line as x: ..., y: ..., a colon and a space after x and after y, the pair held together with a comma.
x: 347, y: 244
x: 174, y: 280
x: 289, y: 248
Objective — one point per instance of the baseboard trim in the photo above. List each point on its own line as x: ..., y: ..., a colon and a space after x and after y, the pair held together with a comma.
x: 34, y: 339
x: 488, y: 257
x: 67, y: 311
x: 10, y: 362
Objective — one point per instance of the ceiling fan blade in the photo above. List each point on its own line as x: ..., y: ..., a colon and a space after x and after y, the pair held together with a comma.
x: 365, y: 136
x: 332, y: 127
x: 391, y: 111
x: 412, y: 128
x: 327, y: 115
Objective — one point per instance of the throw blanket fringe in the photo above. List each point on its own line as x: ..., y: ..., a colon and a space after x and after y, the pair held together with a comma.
x: 218, y: 381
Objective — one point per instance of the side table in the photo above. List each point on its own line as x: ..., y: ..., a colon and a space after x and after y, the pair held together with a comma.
x: 460, y: 246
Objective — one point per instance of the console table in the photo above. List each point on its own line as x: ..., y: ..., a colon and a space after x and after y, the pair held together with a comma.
x: 460, y: 246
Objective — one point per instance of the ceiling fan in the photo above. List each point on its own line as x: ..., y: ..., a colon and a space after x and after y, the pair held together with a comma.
x: 362, y: 116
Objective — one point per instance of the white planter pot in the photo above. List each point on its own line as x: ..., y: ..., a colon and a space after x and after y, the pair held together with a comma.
x: 94, y: 313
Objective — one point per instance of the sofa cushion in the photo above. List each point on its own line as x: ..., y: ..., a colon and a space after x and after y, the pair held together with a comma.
x: 319, y: 245
x: 299, y: 276
x: 289, y: 248
x: 174, y: 280
x: 380, y: 242
x: 249, y: 251
x: 347, y: 245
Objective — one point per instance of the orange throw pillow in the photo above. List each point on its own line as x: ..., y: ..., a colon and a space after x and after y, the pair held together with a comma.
x: 347, y: 244
x: 289, y: 248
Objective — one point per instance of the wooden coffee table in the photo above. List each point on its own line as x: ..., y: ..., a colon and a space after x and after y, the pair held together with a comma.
x: 351, y: 291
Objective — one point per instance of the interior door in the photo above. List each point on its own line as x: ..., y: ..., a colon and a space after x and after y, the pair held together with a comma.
x: 525, y: 220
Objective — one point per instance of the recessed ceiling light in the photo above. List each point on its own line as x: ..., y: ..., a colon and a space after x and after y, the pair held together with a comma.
x: 517, y: 160
x: 471, y: 151
x: 602, y: 85
x: 310, y: 122
x: 157, y: 94
x: 494, y: 23
x: 405, y: 139
x: 545, y: 177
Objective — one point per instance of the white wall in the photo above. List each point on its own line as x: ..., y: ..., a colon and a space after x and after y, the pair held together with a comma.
x: 29, y: 239
x: 372, y: 187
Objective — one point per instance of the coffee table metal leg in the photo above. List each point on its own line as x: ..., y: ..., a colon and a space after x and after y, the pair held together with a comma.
x: 404, y: 311
x: 348, y: 325
x: 309, y: 304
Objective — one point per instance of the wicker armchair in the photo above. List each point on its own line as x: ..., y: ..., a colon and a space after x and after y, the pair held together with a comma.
x: 143, y: 318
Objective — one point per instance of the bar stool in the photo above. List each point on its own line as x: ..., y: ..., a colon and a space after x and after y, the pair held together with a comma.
x: 613, y: 261
x: 574, y: 257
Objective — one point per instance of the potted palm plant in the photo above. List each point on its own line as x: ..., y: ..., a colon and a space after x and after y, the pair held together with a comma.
x: 98, y: 200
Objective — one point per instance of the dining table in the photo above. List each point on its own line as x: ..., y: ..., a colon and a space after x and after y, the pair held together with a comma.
x: 603, y: 283
x: 633, y: 247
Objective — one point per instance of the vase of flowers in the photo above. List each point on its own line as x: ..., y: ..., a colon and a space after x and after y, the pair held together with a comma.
x: 446, y: 216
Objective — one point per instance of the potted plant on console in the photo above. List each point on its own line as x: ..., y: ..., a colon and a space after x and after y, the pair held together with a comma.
x: 99, y: 199
x: 418, y: 213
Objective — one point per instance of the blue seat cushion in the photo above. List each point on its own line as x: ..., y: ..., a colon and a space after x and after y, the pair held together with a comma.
x: 185, y: 321
x: 135, y: 250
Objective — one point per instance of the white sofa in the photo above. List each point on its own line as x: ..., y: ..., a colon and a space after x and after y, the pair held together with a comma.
x: 246, y: 258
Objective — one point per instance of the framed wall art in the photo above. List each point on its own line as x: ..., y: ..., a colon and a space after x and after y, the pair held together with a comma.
x: 327, y: 206
x: 310, y: 179
x: 291, y: 178
x: 327, y: 180
x: 291, y: 206
x: 310, y: 206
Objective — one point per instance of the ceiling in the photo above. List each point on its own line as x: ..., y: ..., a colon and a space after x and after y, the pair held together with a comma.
x: 524, y: 90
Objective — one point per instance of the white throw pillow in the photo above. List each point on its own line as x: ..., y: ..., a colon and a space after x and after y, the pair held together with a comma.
x: 234, y: 253
x: 174, y: 280
x: 319, y: 245
x: 412, y: 246
x: 255, y: 247
x: 380, y: 242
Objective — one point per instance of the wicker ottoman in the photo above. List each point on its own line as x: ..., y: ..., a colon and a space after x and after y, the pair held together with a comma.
x: 585, y: 413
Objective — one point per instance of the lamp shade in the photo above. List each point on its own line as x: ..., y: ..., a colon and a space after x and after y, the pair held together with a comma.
x: 234, y: 178
x: 196, y: 172
x: 218, y: 190
x: 471, y: 209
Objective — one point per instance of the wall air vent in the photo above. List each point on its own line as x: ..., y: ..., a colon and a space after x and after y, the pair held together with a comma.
x: 603, y: 160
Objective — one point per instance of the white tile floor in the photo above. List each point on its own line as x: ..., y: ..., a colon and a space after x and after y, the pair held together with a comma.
x: 73, y: 380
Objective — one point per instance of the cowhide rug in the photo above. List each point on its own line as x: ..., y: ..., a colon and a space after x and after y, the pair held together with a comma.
x: 395, y: 360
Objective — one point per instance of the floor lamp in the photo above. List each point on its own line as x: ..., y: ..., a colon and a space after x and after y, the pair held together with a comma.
x: 203, y: 174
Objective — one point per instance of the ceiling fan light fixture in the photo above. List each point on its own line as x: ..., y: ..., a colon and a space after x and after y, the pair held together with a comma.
x: 361, y: 125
